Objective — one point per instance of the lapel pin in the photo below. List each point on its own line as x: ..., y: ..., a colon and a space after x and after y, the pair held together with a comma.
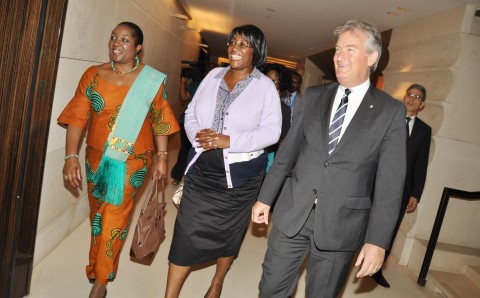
x: 371, y: 106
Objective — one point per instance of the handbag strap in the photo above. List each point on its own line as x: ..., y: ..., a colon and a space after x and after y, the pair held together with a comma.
x: 154, y: 185
x: 163, y: 191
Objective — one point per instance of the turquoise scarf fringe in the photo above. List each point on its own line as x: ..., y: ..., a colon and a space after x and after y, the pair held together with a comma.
x: 109, y: 179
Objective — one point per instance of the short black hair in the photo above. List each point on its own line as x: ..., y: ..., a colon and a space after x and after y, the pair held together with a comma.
x: 255, y: 36
x: 284, y: 76
x: 419, y: 88
x: 191, y: 73
x: 294, y: 73
x: 137, y: 32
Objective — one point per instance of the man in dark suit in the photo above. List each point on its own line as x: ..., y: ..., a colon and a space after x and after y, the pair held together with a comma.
x: 418, y: 149
x: 325, y: 171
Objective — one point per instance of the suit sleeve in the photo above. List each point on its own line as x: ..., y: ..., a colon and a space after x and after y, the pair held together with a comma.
x: 389, y: 182
x: 420, y: 165
x: 286, y: 156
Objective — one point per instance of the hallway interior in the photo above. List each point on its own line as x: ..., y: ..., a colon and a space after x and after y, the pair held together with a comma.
x: 62, y: 273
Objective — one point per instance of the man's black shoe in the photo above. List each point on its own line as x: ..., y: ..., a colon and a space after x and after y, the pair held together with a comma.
x: 379, y: 279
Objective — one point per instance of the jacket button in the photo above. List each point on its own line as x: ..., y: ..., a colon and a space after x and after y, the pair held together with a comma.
x: 314, y: 191
x: 326, y: 165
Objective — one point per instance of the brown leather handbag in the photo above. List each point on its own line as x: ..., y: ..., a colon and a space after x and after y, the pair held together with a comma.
x: 150, y: 228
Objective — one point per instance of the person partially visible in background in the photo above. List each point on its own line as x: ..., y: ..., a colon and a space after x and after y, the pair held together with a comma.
x: 419, y: 137
x: 294, y: 90
x: 122, y: 104
x: 282, y: 79
x: 190, y: 79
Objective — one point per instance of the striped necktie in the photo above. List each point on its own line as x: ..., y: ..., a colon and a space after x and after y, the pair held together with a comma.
x: 336, y: 125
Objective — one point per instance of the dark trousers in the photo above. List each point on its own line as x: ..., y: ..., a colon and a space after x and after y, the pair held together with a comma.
x: 179, y: 168
x: 326, y: 270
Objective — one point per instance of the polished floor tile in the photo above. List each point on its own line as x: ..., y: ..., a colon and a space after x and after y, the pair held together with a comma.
x: 62, y: 273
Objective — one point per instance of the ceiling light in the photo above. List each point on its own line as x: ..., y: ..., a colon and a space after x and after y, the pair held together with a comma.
x: 180, y: 16
x: 402, y: 9
x: 272, y: 10
x: 192, y: 29
x: 392, y: 14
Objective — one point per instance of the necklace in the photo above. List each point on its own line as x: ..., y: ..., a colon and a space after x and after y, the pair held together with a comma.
x: 137, y: 61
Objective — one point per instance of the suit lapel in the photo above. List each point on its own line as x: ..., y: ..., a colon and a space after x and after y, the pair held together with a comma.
x: 362, y: 115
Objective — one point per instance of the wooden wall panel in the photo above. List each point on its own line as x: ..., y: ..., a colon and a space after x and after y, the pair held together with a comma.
x: 28, y: 65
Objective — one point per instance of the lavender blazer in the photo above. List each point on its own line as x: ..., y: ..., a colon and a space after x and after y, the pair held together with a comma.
x: 253, y: 121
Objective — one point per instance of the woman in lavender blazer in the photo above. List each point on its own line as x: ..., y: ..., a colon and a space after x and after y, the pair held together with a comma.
x: 233, y: 116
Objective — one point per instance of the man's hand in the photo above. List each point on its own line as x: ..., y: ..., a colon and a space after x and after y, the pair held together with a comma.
x: 371, y: 258
x: 260, y: 213
x: 412, y: 204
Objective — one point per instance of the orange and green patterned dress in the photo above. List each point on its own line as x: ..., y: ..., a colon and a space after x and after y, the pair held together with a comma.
x: 96, y: 104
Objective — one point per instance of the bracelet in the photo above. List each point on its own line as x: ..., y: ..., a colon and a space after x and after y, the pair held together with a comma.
x: 160, y: 153
x: 70, y: 156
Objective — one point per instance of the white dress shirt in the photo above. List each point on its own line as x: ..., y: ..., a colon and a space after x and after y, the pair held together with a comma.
x: 410, y: 124
x: 354, y: 100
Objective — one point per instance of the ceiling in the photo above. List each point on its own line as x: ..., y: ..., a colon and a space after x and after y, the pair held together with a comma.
x: 299, y: 28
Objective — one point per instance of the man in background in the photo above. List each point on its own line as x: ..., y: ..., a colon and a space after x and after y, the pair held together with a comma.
x: 294, y: 90
x: 418, y: 148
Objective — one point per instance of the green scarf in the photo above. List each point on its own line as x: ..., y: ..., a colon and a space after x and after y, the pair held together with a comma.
x: 110, y: 176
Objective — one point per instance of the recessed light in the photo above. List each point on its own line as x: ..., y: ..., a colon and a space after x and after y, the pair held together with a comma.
x: 180, y: 16
x: 392, y: 14
x: 402, y: 9
x: 269, y: 9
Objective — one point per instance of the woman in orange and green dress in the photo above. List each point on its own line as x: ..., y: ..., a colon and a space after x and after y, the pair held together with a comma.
x: 96, y: 105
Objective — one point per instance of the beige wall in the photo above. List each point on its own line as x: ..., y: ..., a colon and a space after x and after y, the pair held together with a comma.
x: 87, y: 29
x: 442, y: 52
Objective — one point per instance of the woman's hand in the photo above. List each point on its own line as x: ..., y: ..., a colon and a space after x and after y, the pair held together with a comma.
x: 210, y: 139
x: 159, y: 167
x: 72, y: 172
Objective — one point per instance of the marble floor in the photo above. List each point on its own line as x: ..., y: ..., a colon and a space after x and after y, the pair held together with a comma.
x: 62, y: 273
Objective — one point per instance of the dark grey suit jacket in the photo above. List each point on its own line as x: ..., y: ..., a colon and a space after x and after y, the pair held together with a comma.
x: 370, y: 152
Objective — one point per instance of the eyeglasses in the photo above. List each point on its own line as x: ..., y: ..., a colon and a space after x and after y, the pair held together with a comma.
x: 416, y: 96
x: 241, y: 44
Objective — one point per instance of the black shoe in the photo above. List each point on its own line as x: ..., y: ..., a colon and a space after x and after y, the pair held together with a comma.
x: 379, y: 279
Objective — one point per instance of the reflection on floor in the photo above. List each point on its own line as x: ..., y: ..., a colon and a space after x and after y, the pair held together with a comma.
x: 62, y: 273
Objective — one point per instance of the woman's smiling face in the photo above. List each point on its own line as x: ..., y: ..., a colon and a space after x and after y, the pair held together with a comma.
x: 240, y: 53
x: 122, y: 48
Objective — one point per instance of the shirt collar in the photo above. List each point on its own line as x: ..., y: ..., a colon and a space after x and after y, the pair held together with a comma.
x: 362, y: 88
x: 255, y: 73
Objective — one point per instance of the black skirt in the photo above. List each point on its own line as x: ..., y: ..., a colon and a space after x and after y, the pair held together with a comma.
x: 212, y: 218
